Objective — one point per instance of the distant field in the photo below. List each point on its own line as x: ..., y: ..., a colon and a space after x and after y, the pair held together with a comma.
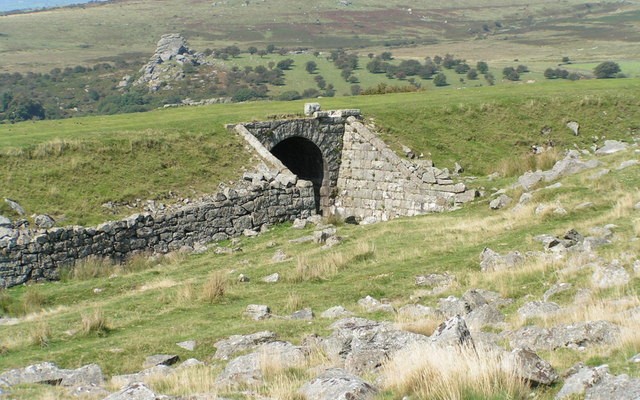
x: 69, y: 168
x: 488, y: 29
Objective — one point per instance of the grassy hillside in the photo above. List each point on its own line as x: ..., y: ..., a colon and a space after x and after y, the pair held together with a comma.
x: 148, y: 306
x: 489, y: 29
x: 69, y: 168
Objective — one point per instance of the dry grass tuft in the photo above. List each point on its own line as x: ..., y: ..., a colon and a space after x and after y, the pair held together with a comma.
x: 294, y: 302
x: 186, y: 293
x: 187, y: 381
x: 518, y: 165
x: 40, y: 334
x: 215, y: 287
x: 33, y: 301
x: 444, y: 373
x: 95, y: 323
x: 55, y: 148
x: 91, y: 268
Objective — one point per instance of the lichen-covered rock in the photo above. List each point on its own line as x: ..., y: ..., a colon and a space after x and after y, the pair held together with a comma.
x: 369, y: 304
x: 500, y: 202
x: 576, y: 335
x: 493, y: 261
x: 452, y: 332
x: 249, y: 369
x: 160, y: 359
x: 227, y: 347
x: 607, y: 276
x: 530, y: 367
x: 137, y: 391
x: 49, y: 373
x: 257, y: 312
x: 337, y: 384
x: 538, y: 309
x: 336, y: 312
x: 611, y: 146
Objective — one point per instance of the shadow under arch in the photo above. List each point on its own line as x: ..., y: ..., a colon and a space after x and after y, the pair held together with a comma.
x: 304, y: 158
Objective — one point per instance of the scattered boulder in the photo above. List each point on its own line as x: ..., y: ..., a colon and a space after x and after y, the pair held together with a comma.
x: 237, y: 343
x: 49, y: 373
x: 369, y: 304
x: 273, y: 278
x: 363, y: 346
x: 337, y: 384
x: 451, y: 306
x: 437, y: 283
x: 44, y: 221
x: 242, y: 278
x: 336, y: 312
x: 576, y: 336
x: 257, y: 312
x: 627, y: 164
x: 619, y: 387
x: 538, y: 309
x: 137, y: 391
x: 279, y: 256
x: 299, y: 223
x: 189, y: 345
x: 610, y: 147
x: 569, y: 165
x: 608, y: 276
x: 579, y: 379
x: 574, y: 126
x: 310, y: 108
x: 417, y: 312
x: 323, y: 235
x: 555, y: 289
x: 484, y: 315
x: 492, y: 261
x: 15, y: 206
x: 452, y: 332
x: 304, y: 314
x: 248, y: 369
x: 533, y: 369
x: 500, y: 202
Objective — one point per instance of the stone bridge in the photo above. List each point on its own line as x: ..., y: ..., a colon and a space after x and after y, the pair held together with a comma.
x: 353, y: 172
x: 329, y: 163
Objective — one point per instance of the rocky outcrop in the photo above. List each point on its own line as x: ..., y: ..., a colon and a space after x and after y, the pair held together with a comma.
x: 167, y: 63
x: 569, y: 165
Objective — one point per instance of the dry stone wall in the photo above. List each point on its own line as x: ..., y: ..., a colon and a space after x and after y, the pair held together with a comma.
x: 264, y: 198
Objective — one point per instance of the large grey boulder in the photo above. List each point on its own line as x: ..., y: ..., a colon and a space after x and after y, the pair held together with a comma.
x: 538, y: 309
x: 576, y: 336
x: 620, y: 387
x: 611, y: 146
x: 49, y: 373
x: 580, y: 379
x: 363, y: 346
x: 530, y: 179
x: 493, y: 261
x: 369, y: 304
x: 452, y: 332
x: 337, y: 384
x: 500, y: 202
x: 44, y: 221
x: 257, y: 312
x: 484, y: 315
x: 530, y: 367
x: 237, y: 343
x: 451, y: 306
x: 608, y: 276
x: 310, y: 108
x: 249, y: 369
x: 170, y: 46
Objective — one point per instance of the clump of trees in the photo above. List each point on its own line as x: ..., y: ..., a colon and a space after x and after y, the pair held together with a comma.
x: 608, y: 69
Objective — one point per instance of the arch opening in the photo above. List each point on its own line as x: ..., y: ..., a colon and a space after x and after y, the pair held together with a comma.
x: 303, y: 158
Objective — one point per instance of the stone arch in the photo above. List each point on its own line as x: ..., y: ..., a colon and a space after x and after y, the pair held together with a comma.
x: 305, y: 159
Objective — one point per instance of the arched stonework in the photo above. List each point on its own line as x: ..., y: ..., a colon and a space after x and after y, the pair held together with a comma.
x: 325, y: 131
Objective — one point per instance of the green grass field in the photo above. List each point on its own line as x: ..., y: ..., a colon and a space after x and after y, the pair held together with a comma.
x: 491, y: 29
x: 69, y: 168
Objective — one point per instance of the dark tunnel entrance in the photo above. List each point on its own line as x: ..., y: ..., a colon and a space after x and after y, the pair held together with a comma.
x: 305, y: 160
